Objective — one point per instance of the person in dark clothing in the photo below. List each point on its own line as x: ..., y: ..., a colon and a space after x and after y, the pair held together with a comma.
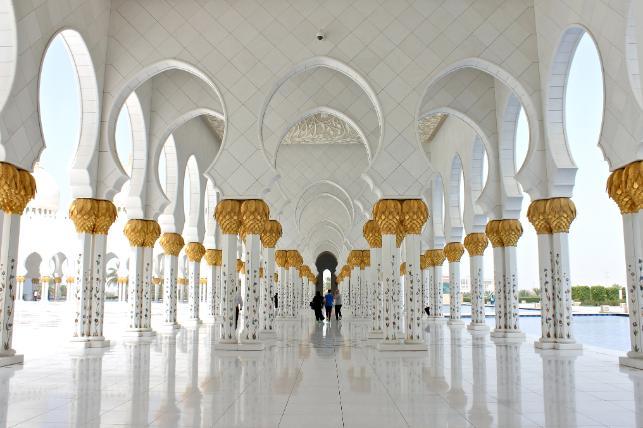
x: 316, y: 304
x: 428, y: 311
x: 276, y: 299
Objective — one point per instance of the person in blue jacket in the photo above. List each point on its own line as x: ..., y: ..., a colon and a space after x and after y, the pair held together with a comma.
x: 328, y: 303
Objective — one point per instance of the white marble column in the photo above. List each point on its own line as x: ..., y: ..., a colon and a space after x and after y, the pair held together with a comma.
x: 414, y: 215
x: 142, y: 234
x: 45, y: 283
x: 504, y: 235
x: 9, y: 236
x: 453, y: 252
x: 294, y: 262
x: 426, y: 282
x: 228, y: 216
x: 195, y: 252
x: 365, y: 286
x: 213, y: 277
x: 375, y: 282
x: 172, y: 243
x: 623, y: 186
x: 98, y: 287
x: 280, y: 261
x: 250, y: 332
x: 387, y: 213
x: 269, y: 238
x: 476, y: 243
x: 92, y: 219
x: 353, y: 261
x: 435, y: 258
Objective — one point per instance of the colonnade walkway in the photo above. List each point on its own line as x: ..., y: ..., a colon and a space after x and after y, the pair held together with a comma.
x: 313, y: 375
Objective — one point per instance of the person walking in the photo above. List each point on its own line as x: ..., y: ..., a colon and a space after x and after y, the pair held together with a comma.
x: 329, y: 299
x: 316, y: 304
x: 338, y: 305
x: 238, y: 306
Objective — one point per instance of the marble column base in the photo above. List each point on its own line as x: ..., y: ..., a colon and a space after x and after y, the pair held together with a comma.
x: 507, y: 336
x: 375, y: 335
x: 192, y: 323
x: 169, y: 327
x: 139, y: 332
x: 632, y: 359
x: 7, y: 360
x: 211, y: 321
x: 477, y: 327
x: 455, y: 322
x: 90, y: 342
x: 239, y: 346
x: 436, y: 320
x: 267, y: 335
x: 401, y: 346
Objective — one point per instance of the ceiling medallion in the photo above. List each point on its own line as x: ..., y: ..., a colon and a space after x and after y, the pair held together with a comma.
x: 429, y: 126
x: 322, y: 128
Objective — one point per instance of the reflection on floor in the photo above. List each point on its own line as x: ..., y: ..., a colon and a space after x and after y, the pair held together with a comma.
x: 313, y: 375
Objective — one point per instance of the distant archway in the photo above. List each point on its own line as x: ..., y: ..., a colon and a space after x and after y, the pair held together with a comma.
x: 326, y: 260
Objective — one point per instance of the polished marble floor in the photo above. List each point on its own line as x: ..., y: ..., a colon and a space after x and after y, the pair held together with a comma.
x: 314, y: 375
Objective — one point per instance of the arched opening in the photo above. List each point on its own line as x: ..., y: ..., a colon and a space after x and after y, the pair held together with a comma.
x: 326, y: 278
x: 60, y: 108
x: 326, y: 261
x: 598, y: 218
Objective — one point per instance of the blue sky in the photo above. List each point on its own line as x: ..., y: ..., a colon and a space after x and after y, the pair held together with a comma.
x: 596, y: 236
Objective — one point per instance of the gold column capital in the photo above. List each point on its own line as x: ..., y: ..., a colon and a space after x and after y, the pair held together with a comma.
x: 172, y: 243
x: 365, y: 259
x: 228, y: 216
x: 293, y: 259
x: 424, y: 262
x: 254, y: 215
x: 453, y: 251
x: 354, y: 258
x: 625, y: 187
x: 142, y: 233
x: 281, y: 257
x: 492, y: 231
x: 271, y: 233
x: 241, y: 266
x: 93, y: 216
x: 537, y: 215
x: 403, y: 269
x: 399, y: 236
x: 17, y: 188
x: 476, y: 243
x: 260, y: 271
x: 561, y: 212
x: 105, y: 216
x: 388, y: 214
x: 414, y: 215
x: 213, y: 257
x: 372, y: 234
x: 195, y: 251
x: 510, y: 232
x: 435, y: 257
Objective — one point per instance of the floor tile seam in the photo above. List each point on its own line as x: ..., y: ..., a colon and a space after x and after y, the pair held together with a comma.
x: 388, y: 393
x: 339, y: 389
x: 227, y: 409
x: 301, y: 363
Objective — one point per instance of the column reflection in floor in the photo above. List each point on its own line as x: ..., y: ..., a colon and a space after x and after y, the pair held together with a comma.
x: 87, y: 369
x: 456, y: 396
x: 138, y: 359
x: 6, y: 373
x: 192, y: 395
x: 168, y: 413
x: 509, y: 381
x: 479, y: 412
x: 559, y: 386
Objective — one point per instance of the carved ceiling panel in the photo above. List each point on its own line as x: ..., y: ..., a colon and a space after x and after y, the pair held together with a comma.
x: 322, y: 128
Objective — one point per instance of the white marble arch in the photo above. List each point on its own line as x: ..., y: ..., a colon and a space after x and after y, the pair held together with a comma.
x: 634, y: 48
x: 8, y: 48
x: 194, y: 224
x: 561, y: 168
x: 111, y: 182
x: 307, y: 66
x: 433, y: 195
x: 453, y: 224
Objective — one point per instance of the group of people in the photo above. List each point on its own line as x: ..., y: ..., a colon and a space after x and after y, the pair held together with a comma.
x: 328, y: 301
